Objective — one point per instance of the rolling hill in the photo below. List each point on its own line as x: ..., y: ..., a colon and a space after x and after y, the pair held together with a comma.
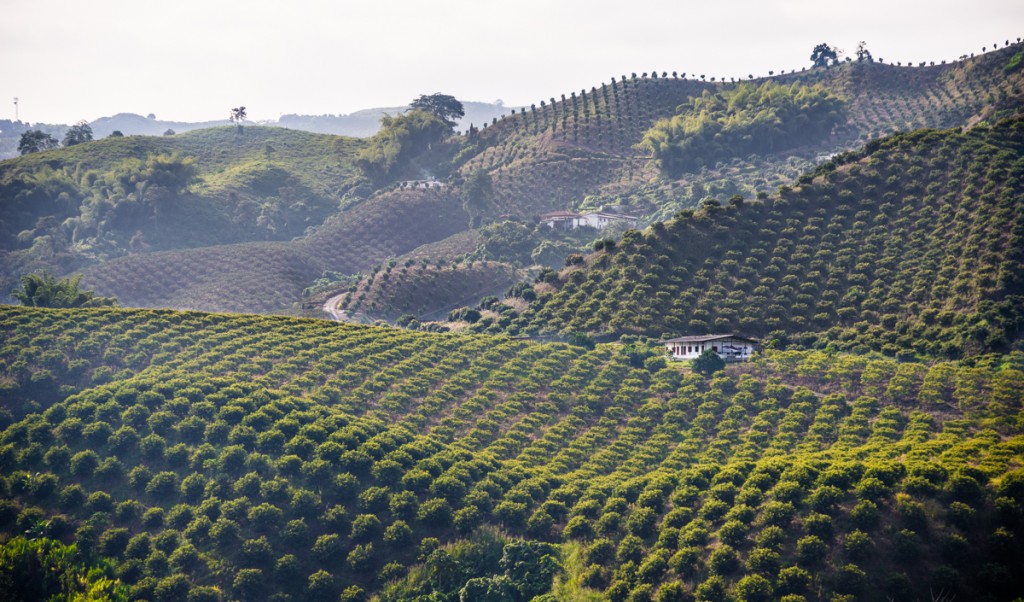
x: 585, y: 150
x: 552, y: 156
x: 425, y: 291
x: 359, y: 124
x: 911, y: 245
x: 212, y: 457
x: 874, y: 449
x: 66, y: 209
x: 265, y: 277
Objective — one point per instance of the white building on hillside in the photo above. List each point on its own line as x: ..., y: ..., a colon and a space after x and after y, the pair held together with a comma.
x: 560, y: 220
x: 602, y: 220
x: 422, y: 184
x: 567, y: 220
x: 730, y: 347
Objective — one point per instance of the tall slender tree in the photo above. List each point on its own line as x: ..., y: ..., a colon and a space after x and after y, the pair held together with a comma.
x: 238, y: 117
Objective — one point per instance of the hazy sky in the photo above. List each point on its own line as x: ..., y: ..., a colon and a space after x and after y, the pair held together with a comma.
x: 193, y: 60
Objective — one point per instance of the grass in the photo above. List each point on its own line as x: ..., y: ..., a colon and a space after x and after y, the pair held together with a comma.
x: 568, y: 586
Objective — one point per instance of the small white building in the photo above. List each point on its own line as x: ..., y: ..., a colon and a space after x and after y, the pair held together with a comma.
x: 567, y: 220
x: 602, y: 220
x: 422, y: 184
x: 730, y: 347
x: 560, y: 220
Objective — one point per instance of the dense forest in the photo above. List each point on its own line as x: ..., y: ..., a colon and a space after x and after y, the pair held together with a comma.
x: 207, y: 457
x: 742, y: 121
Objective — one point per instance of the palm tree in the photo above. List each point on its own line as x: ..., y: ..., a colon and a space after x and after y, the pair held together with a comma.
x: 46, y: 291
x: 237, y: 117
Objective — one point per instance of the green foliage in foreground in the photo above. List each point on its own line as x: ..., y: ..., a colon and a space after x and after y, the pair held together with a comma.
x: 231, y: 456
x: 913, y: 246
x: 46, y: 291
x: 740, y: 121
x: 708, y: 363
x: 45, y: 570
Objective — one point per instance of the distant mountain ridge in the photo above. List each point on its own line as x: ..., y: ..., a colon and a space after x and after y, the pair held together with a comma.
x: 359, y: 124
x: 365, y: 123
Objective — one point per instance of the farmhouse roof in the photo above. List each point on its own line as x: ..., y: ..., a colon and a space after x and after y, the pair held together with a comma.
x: 557, y: 214
x: 613, y: 215
x: 708, y: 337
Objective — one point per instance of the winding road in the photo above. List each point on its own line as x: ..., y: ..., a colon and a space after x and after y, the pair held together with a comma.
x: 331, y: 308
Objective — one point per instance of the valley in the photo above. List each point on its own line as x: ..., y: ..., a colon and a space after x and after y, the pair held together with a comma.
x: 260, y: 364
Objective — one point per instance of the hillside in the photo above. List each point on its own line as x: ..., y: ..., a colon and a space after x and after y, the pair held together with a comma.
x: 216, y: 457
x: 265, y: 277
x: 67, y: 209
x: 366, y: 122
x: 423, y: 290
x: 358, y: 124
x: 585, y: 151
x: 557, y: 153
x: 131, y: 124
x: 911, y: 245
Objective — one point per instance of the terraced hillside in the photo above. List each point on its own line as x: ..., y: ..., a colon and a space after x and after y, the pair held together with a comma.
x: 553, y: 155
x: 425, y: 291
x: 67, y: 209
x: 270, y: 276
x: 582, y: 151
x: 220, y: 457
x: 912, y: 245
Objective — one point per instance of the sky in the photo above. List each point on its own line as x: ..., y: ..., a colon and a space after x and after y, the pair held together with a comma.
x: 193, y: 60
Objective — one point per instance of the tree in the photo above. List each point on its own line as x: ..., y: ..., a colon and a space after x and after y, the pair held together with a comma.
x: 46, y: 291
x: 45, y: 569
x: 399, y: 140
x: 823, y: 54
x: 237, y: 117
x: 34, y: 141
x: 169, y: 132
x: 441, y: 105
x: 708, y: 363
x: 863, y: 54
x: 77, y: 134
x: 116, y: 134
x: 580, y: 339
x: 477, y: 195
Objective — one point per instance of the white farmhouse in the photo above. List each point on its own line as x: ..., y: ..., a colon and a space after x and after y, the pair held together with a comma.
x: 567, y: 220
x: 422, y: 184
x: 730, y: 347
x: 602, y: 220
x: 560, y: 220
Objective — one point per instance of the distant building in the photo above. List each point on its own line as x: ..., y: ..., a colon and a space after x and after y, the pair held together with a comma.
x: 730, y: 347
x: 423, y: 184
x: 602, y: 220
x: 567, y: 220
x: 560, y: 220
